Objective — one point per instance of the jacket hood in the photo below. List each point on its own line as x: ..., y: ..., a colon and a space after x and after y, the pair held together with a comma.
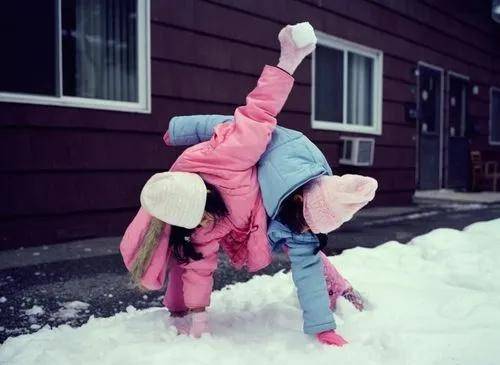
x: 290, y: 161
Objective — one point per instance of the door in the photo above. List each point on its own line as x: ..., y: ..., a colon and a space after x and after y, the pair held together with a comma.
x: 457, y: 156
x: 429, y: 124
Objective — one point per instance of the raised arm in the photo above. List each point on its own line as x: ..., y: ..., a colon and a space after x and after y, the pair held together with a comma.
x: 308, y: 276
x: 238, y: 146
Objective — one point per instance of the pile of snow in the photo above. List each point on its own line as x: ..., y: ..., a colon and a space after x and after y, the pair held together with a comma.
x: 303, y: 34
x: 36, y: 310
x: 433, y: 301
x: 71, y: 309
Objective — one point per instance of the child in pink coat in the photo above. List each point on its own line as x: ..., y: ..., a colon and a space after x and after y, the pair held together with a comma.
x: 210, y: 198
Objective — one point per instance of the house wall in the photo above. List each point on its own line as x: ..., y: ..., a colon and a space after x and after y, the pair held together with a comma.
x: 70, y: 173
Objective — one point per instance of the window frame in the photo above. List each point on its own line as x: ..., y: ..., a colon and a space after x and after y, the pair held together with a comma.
x: 143, y: 105
x: 347, y: 46
x: 490, y: 137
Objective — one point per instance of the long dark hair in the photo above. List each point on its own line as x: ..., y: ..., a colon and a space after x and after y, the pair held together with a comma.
x: 180, y: 238
x: 291, y: 214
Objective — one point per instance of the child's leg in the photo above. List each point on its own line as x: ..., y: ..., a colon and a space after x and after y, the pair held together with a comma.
x: 335, y: 283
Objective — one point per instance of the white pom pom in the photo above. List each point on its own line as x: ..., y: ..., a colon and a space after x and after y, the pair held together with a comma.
x: 303, y: 34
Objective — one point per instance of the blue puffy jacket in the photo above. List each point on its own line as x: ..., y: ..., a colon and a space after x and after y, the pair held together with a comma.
x: 290, y: 161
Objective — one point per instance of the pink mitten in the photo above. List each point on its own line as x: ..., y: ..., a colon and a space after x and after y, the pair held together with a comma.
x: 331, y: 338
x: 291, y: 55
x: 199, y: 324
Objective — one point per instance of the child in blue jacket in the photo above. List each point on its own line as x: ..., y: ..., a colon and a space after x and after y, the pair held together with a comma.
x: 304, y: 201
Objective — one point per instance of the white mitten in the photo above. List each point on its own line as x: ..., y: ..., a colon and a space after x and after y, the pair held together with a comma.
x: 199, y: 324
x: 296, y: 42
x: 193, y: 324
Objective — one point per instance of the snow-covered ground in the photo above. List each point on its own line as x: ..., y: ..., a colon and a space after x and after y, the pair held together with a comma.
x: 433, y: 301
x: 456, y: 196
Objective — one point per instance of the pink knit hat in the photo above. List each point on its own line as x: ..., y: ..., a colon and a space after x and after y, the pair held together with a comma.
x: 330, y: 201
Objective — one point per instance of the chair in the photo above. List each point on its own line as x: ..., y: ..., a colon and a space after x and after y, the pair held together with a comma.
x: 481, y: 172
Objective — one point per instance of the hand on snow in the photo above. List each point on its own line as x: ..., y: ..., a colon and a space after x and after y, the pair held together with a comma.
x: 180, y: 322
x: 199, y: 324
x: 355, y: 298
x: 291, y: 55
x: 331, y: 338
x: 193, y: 323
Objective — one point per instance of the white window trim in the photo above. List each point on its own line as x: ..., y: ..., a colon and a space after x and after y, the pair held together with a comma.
x: 144, y: 76
x: 491, y: 141
x: 377, y: 56
x: 457, y: 75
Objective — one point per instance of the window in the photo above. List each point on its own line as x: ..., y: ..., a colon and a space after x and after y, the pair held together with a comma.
x: 495, y: 116
x: 346, y: 86
x: 83, y: 53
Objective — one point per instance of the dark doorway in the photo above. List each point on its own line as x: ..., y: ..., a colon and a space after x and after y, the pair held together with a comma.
x: 429, y: 124
x: 457, y: 156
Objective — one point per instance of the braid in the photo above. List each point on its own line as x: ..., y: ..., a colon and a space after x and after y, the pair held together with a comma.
x: 145, y: 253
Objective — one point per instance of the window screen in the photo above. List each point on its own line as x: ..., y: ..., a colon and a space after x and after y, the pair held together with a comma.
x: 329, y: 76
x: 28, y: 34
x: 359, y: 89
x: 100, y: 49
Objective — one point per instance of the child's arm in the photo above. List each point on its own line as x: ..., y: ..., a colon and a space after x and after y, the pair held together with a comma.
x: 198, y: 277
x: 307, y: 274
x: 238, y: 146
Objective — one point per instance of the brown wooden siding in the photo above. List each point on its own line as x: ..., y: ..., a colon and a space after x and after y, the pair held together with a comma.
x: 70, y: 173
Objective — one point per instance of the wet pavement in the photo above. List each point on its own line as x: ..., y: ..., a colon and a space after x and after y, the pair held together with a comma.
x: 69, y: 288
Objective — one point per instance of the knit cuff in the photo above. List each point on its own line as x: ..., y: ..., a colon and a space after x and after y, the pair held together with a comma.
x: 312, y: 330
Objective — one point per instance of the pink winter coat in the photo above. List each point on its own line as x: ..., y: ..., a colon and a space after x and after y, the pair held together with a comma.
x: 226, y: 161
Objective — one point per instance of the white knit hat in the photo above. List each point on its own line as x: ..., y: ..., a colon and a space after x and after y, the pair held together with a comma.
x: 177, y: 198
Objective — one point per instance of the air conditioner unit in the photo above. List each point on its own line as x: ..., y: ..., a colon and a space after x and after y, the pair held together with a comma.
x: 357, y: 151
